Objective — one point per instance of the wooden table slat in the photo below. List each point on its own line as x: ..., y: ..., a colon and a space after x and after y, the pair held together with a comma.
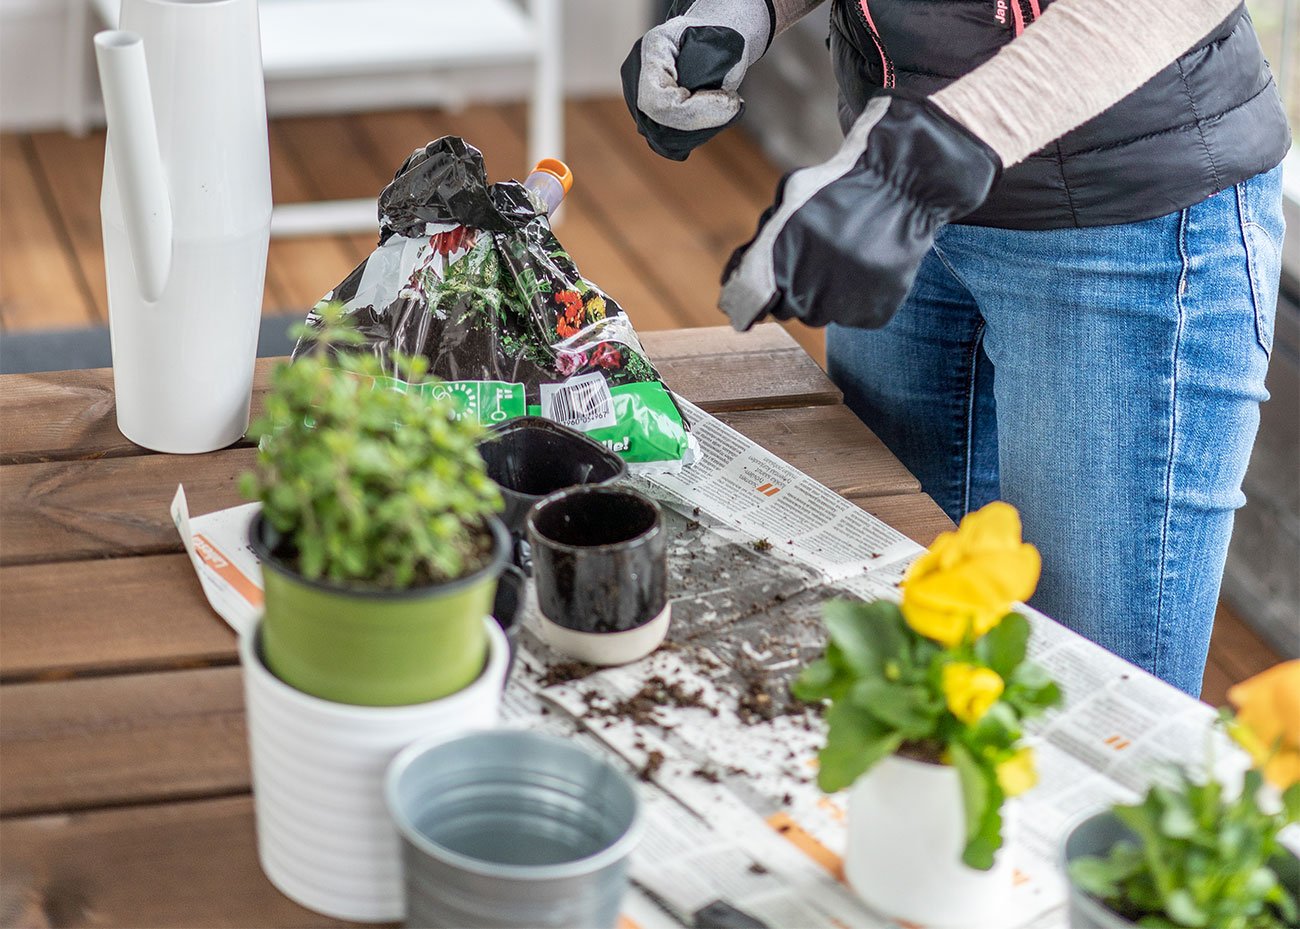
x: 69, y: 415
x: 110, y: 615
x: 118, y: 507
x: 176, y: 864
x: 89, y: 618
x: 125, y: 738
x: 164, y: 735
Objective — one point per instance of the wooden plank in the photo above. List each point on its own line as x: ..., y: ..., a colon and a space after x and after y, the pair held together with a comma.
x: 178, y: 864
x: 831, y: 445
x: 105, y: 741
x: 111, y: 507
x: 68, y: 415
x: 703, y: 192
x: 87, y: 618
x: 75, y: 168
x: 150, y: 737
x: 737, y: 152
x: 117, y: 507
x: 915, y: 515
x: 1237, y: 648
x: 642, y: 222
x: 335, y: 164
x: 1217, y: 680
x: 41, y: 284
x: 299, y: 271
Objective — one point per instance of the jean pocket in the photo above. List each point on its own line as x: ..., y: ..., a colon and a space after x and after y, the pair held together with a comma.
x: 1264, y: 264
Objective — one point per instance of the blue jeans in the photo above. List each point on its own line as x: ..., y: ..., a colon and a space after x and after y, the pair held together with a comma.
x: 1105, y: 381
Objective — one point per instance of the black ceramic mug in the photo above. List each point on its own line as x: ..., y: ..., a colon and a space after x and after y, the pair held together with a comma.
x: 600, y: 561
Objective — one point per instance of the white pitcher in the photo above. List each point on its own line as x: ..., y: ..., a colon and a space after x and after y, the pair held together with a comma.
x: 186, y: 211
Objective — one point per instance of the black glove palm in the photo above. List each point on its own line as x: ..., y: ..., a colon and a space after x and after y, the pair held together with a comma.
x: 844, y: 239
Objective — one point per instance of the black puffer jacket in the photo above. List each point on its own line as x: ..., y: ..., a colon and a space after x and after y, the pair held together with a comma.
x: 1211, y: 119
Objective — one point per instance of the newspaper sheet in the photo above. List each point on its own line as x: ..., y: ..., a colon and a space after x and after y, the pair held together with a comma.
x: 738, y: 832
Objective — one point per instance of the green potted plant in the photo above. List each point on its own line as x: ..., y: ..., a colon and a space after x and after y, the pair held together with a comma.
x: 378, y: 537
x: 1192, y: 853
x: 924, y: 706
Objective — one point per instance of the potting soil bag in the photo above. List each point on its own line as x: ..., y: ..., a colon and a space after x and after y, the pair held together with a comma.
x: 469, y: 275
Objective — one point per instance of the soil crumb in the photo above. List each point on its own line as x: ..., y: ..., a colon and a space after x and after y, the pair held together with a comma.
x: 564, y: 672
x: 654, y: 760
x: 762, y: 545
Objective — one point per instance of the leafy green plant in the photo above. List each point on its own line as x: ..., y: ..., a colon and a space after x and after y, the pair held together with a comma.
x: 1202, y: 860
x: 369, y: 484
x: 892, y: 690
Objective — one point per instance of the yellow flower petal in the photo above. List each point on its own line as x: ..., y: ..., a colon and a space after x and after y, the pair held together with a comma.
x: 970, y: 690
x: 970, y: 578
x: 1018, y: 773
x: 1268, y: 721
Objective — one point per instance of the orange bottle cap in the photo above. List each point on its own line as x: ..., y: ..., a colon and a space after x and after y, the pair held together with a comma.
x: 557, y: 169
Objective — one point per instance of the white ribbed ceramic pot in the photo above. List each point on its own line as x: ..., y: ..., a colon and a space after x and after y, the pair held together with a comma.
x: 324, y: 837
x: 906, y: 835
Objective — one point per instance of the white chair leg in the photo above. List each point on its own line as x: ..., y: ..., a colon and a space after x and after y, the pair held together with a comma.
x: 76, y: 47
x: 546, y: 115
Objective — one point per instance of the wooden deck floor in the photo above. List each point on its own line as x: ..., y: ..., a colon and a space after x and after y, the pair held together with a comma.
x: 654, y: 233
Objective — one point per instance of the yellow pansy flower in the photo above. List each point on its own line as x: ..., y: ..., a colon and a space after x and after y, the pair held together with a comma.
x: 1268, y: 721
x: 970, y: 690
x: 1018, y: 773
x: 969, y: 579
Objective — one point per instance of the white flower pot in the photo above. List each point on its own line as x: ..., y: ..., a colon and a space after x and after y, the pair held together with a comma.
x: 906, y: 835
x: 324, y: 837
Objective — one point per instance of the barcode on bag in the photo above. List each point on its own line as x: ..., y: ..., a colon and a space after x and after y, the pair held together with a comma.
x: 583, y: 402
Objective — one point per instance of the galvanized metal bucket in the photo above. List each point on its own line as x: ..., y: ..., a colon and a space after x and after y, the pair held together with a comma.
x: 508, y: 828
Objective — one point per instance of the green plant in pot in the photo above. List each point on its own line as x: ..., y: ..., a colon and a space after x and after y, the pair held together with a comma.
x: 1193, y: 853
x: 925, y: 703
x: 378, y: 537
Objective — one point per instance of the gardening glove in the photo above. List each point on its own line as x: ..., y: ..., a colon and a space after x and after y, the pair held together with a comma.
x: 681, y: 77
x: 844, y: 239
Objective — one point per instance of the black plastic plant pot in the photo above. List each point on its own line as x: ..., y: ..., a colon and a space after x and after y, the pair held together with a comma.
x: 508, y: 606
x: 600, y: 565
x: 1095, y: 837
x: 531, y: 457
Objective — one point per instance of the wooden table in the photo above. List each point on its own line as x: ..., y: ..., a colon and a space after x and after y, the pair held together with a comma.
x: 124, y: 781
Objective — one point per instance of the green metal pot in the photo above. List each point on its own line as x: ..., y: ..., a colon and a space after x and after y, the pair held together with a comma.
x: 374, y: 647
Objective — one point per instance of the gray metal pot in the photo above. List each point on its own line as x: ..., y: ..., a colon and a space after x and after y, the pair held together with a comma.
x: 506, y: 828
x: 1096, y: 836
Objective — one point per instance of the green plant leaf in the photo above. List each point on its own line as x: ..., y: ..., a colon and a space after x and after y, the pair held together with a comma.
x: 1003, y: 647
x: 1291, y: 803
x: 814, y: 682
x: 982, y: 802
x: 912, y: 710
x: 1177, y: 821
x: 868, y: 634
x: 855, y: 741
x: 1097, y: 876
x: 1182, y: 909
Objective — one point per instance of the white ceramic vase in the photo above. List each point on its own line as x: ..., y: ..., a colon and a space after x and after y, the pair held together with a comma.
x: 906, y: 835
x: 186, y: 214
x: 324, y: 836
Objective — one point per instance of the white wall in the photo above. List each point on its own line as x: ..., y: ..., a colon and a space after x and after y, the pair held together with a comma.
x: 35, y: 44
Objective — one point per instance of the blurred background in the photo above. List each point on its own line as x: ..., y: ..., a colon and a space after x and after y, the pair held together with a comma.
x: 353, y: 86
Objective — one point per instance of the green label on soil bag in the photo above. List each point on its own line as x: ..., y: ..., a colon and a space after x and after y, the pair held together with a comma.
x: 490, y: 402
x: 647, y: 425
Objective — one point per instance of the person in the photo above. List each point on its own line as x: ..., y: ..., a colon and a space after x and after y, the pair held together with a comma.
x: 1047, y: 253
